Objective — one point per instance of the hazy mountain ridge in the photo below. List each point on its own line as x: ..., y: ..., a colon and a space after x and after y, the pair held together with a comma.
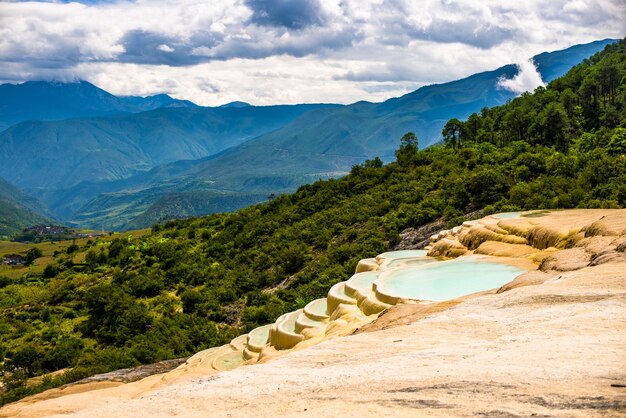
x: 555, y: 64
x: 112, y: 148
x: 45, y: 100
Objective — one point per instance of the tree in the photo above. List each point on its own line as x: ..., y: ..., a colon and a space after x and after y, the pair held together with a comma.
x: 517, y: 121
x: 617, y: 144
x: 33, y: 254
x: 114, y: 316
x: 376, y: 162
x: 409, y: 140
x: 554, y: 125
x: 473, y: 125
x: 50, y: 271
x: 405, y: 155
x: 608, y: 80
x: 453, y: 133
x: 27, y: 358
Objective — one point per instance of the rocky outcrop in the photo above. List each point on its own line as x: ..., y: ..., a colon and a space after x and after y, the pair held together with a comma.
x: 418, y: 238
x: 134, y: 374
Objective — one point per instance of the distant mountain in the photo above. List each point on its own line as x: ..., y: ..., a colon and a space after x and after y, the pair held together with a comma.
x: 18, y: 210
x: 325, y: 142
x: 45, y: 100
x: 236, y: 104
x: 142, y: 104
x: 190, y: 204
x: 61, y: 154
x: 555, y: 64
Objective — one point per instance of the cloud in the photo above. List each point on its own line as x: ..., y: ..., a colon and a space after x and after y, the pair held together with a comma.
x: 469, y: 23
x: 467, y: 32
x: 583, y: 12
x: 390, y: 72
x: 527, y: 79
x: 265, y: 44
x: 165, y: 48
x: 146, y: 47
x: 291, y: 14
x: 358, y: 49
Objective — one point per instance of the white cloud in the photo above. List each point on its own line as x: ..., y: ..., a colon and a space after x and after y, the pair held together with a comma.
x: 255, y: 51
x: 527, y: 79
x: 165, y: 48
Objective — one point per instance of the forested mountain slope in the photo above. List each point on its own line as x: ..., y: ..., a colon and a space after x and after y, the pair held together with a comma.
x: 18, y: 210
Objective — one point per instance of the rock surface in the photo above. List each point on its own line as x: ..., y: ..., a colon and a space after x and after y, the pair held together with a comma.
x: 417, y: 238
x: 134, y: 373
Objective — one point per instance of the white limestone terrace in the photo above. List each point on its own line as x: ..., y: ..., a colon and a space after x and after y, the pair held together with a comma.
x: 453, y: 265
x: 406, y: 276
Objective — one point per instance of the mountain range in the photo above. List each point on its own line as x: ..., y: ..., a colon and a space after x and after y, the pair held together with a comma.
x: 44, y: 100
x: 120, y: 169
x: 61, y: 154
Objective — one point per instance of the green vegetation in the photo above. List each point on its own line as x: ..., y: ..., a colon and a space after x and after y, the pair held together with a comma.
x: 14, y: 217
x: 18, y: 210
x: 190, y: 204
x: 189, y: 284
x: 41, y: 233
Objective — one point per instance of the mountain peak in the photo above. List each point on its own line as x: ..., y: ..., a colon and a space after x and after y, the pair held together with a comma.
x: 56, y: 100
x: 236, y: 104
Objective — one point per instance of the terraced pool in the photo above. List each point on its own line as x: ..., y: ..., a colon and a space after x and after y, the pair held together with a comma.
x: 445, y: 280
x: 410, y: 261
x: 402, y: 254
x: 507, y: 215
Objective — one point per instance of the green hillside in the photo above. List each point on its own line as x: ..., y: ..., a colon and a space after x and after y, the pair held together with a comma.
x: 189, y: 284
x: 192, y: 204
x: 18, y: 210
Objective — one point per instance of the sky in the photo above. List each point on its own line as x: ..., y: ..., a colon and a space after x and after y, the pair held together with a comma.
x: 289, y: 51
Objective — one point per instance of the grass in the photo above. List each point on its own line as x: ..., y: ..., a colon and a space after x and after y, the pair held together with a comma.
x: 49, y: 248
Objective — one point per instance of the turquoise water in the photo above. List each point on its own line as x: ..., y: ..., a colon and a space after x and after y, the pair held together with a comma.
x: 446, y: 280
x: 305, y: 320
x: 229, y: 361
x: 507, y: 215
x: 340, y: 291
x: 411, y: 261
x: 403, y: 254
